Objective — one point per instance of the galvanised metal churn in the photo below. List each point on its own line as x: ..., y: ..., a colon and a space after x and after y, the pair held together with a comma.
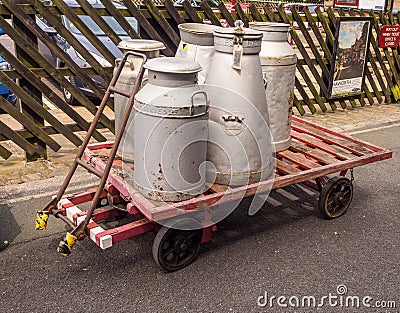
x: 239, y: 139
x: 170, y: 131
x: 125, y: 82
x: 197, y: 44
x: 278, y: 61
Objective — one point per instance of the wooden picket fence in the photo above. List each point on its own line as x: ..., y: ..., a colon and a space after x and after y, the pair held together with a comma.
x: 311, y: 35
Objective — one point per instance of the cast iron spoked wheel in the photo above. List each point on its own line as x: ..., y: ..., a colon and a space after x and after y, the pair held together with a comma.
x: 69, y: 98
x: 178, y: 245
x: 335, y: 197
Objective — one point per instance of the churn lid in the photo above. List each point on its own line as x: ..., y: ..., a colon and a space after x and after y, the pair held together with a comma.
x: 197, y: 34
x: 173, y: 65
x: 141, y: 45
x: 273, y: 26
x: 249, y: 39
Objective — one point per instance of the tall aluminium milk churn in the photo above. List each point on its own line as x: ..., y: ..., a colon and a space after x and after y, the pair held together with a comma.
x: 239, y: 140
x: 278, y: 61
x: 170, y: 131
x: 197, y: 44
x: 125, y: 82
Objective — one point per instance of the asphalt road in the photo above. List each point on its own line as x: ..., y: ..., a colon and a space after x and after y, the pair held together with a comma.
x: 286, y: 249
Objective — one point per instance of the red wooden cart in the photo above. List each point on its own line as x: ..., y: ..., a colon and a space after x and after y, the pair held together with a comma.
x: 315, y: 154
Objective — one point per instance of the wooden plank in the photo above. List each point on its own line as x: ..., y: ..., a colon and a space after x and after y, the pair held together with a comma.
x: 286, y: 168
x: 298, y: 158
x: 99, y: 21
x: 84, y: 29
x: 269, y: 14
x: 332, y: 139
x: 319, y: 144
x: 117, y: 14
x: 4, y: 153
x: 319, y: 155
x: 146, y: 26
x: 255, y: 13
x: 311, y: 86
x: 172, y: 35
x: 58, y: 52
x: 38, y: 107
x: 169, y: 5
x: 225, y: 13
x: 304, y: 95
x: 241, y: 14
x: 17, y: 139
x: 209, y: 13
x: 191, y: 12
x: 28, y: 123
x: 306, y: 57
x: 378, y: 77
x: 55, y: 74
x: 25, y: 72
x: 381, y: 61
x: 313, y: 48
x: 298, y: 105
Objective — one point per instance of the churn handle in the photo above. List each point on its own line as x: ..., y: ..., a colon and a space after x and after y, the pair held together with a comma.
x: 205, y: 96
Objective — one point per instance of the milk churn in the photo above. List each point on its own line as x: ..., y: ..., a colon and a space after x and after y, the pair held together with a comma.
x: 197, y: 44
x: 278, y: 61
x: 151, y: 48
x: 239, y: 140
x: 170, y: 131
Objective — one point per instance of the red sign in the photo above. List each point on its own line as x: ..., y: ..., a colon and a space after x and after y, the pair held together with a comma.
x: 390, y: 36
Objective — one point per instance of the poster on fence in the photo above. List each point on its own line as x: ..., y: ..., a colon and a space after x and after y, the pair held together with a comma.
x: 349, y: 56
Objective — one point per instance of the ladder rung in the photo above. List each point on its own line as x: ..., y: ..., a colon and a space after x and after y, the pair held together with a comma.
x: 119, y: 91
x: 89, y: 168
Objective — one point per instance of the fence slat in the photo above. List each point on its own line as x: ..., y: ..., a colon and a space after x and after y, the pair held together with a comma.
x: 58, y: 52
x: 55, y: 74
x: 84, y: 29
x: 25, y: 72
x: 17, y: 139
x: 29, y: 124
x: 225, y: 13
x: 165, y: 26
x: 191, y: 12
x: 209, y: 13
x: 255, y: 13
x: 4, y: 153
x: 99, y: 21
x: 169, y: 5
x: 146, y: 26
x: 113, y: 11
x: 36, y: 106
x: 241, y: 14
x: 269, y: 14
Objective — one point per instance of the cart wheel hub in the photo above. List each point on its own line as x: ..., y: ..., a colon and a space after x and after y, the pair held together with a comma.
x: 181, y: 245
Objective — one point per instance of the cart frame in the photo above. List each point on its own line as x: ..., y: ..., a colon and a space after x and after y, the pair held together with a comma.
x: 315, y: 153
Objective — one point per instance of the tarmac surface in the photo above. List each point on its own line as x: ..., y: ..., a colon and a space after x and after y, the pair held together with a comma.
x: 286, y: 249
